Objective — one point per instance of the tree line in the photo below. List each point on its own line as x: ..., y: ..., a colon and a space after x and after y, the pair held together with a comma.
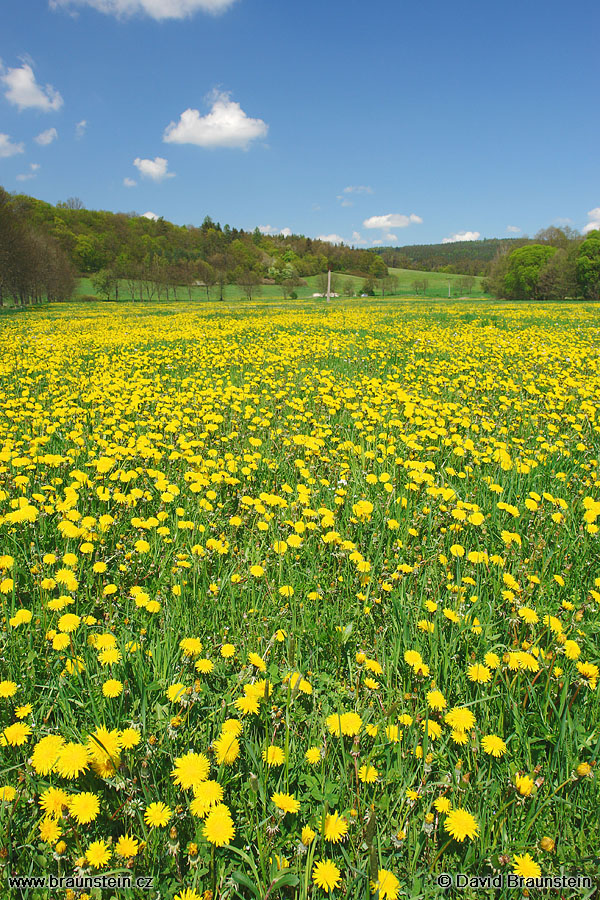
x: 33, y: 265
x: 559, y: 264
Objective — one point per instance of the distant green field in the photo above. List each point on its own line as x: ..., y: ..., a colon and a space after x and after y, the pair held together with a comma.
x: 437, y: 286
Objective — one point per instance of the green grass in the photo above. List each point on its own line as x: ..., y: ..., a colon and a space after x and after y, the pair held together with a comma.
x: 437, y: 286
x: 438, y: 283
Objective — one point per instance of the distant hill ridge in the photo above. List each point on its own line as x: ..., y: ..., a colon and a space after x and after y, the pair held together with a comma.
x: 459, y: 257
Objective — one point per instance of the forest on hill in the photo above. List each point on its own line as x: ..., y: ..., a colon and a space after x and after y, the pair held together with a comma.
x: 153, y: 256
x: 457, y: 257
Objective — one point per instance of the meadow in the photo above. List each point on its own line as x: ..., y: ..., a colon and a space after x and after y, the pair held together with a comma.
x: 437, y: 285
x: 300, y: 600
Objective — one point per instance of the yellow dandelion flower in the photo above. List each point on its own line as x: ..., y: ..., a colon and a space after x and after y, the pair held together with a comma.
x: 157, y: 814
x: 176, y: 692
x: 227, y: 749
x: 479, y: 673
x: 190, y: 770
x: 326, y: 875
x: 46, y: 752
x: 273, y: 756
x: 525, y: 866
x: 112, y: 688
x: 218, y: 827
x: 525, y: 785
x: 387, y: 886
x: 84, y: 807
x: 8, y: 689
x: 127, y: 847
x: 460, y: 824
x: 335, y: 828
x: 287, y: 803
x: 207, y: 795
x: 16, y: 734
x: 53, y: 801
x: 368, y: 774
x: 98, y: 854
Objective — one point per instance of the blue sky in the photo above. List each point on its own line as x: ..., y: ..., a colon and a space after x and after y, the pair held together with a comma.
x: 381, y: 122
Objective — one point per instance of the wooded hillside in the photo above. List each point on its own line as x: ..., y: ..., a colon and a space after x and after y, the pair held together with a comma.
x: 459, y: 257
x: 141, y: 249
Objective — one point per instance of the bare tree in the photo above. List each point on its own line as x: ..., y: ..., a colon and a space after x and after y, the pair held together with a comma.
x: 349, y: 288
x: 132, y: 279
x: 207, y: 275
x: 71, y: 203
x: 249, y: 281
x: 220, y: 264
x: 389, y: 284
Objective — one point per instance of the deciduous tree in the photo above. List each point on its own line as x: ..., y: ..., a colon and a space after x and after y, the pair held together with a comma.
x: 523, y: 272
x: 588, y: 266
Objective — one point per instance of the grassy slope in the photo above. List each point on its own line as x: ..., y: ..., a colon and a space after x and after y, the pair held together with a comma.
x: 437, y: 283
x: 437, y: 287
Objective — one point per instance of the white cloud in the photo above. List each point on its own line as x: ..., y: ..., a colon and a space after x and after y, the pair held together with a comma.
x: 226, y: 125
x: 156, y: 168
x: 385, y: 239
x: 330, y: 238
x: 344, y: 200
x: 8, y: 147
x: 129, y: 182
x: 80, y: 128
x: 357, y: 238
x: 46, y: 137
x: 150, y: 215
x: 358, y: 189
x: 462, y: 236
x: 31, y: 174
x: 594, y: 223
x: 392, y: 220
x: 514, y: 229
x: 23, y: 90
x: 270, y: 229
x: 156, y: 9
